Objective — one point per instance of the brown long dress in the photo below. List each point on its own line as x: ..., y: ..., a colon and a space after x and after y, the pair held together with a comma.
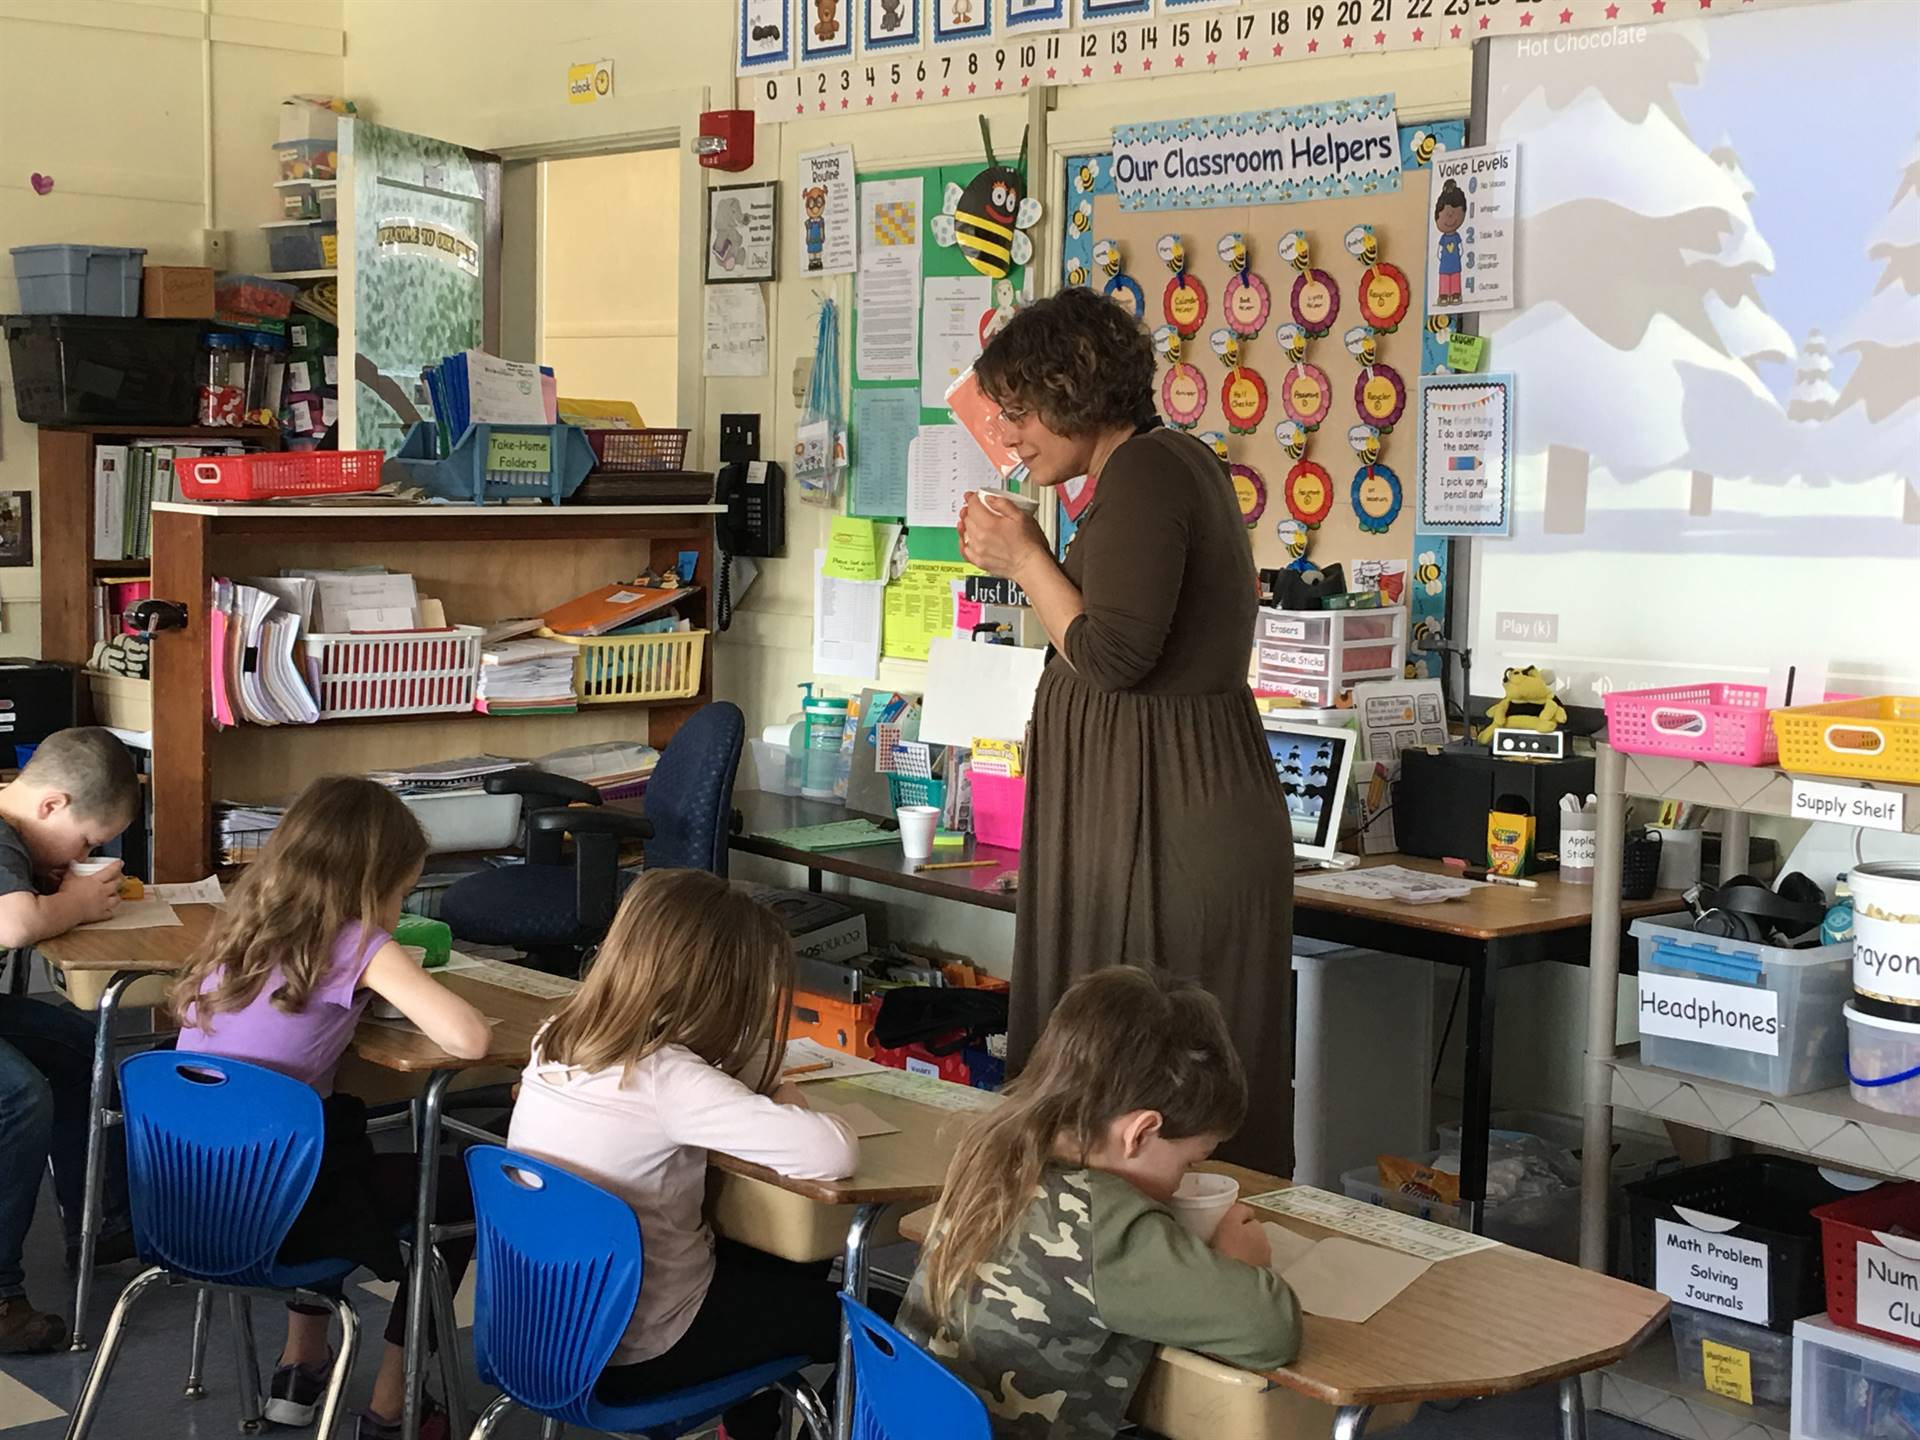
x: 1156, y: 830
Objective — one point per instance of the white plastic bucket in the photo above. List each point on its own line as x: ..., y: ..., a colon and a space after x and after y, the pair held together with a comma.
x: 1886, y: 931
x: 1883, y: 1062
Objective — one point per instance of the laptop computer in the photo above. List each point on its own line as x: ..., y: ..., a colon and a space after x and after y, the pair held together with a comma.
x: 1313, y: 764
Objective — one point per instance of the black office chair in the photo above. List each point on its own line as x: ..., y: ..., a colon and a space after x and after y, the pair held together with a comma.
x: 557, y: 906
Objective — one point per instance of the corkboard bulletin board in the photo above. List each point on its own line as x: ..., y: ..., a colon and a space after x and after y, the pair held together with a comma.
x: 1400, y: 221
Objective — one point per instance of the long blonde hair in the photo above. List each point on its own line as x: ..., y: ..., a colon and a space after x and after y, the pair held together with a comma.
x: 335, y: 860
x: 1120, y: 1040
x: 688, y: 961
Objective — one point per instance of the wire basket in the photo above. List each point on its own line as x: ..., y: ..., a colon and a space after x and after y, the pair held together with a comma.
x: 917, y: 790
x: 1877, y: 738
x: 281, y: 473
x: 625, y: 669
x: 638, y: 449
x: 408, y: 672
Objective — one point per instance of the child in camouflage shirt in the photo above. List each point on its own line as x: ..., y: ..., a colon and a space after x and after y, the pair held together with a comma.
x: 1054, y: 1266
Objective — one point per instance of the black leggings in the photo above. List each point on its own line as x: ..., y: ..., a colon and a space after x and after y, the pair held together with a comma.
x: 757, y: 1309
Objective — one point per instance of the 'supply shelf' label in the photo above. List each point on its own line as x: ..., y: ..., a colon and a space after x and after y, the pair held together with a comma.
x: 1711, y: 1272
x: 1886, y: 1291
x: 1735, y: 1017
x: 1848, y: 805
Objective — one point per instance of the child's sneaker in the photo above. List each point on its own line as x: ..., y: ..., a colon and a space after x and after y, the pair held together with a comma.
x: 433, y: 1424
x: 293, y: 1399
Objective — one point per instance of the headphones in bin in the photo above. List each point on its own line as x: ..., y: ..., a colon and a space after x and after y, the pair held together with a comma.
x: 1747, y: 909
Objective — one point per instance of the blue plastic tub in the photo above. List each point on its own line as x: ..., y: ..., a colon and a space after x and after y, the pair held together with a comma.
x: 78, y: 279
x: 498, y: 462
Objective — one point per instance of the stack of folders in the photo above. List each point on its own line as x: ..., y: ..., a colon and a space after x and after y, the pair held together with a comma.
x: 528, y: 676
x: 244, y: 830
x: 128, y: 480
x: 477, y: 388
x: 255, y: 676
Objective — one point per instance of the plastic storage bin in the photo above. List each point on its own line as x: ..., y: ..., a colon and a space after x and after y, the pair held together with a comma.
x: 1812, y: 988
x: 623, y: 669
x: 268, y: 477
x: 311, y: 159
x: 1883, y: 1062
x: 638, y: 450
x: 1323, y: 627
x: 999, y: 809
x: 309, y: 200
x: 1769, y: 1200
x: 466, y: 820
x: 1325, y: 651
x: 423, y: 672
x: 1320, y: 693
x: 303, y: 244
x: 1872, y: 739
x: 78, y: 279
x: 1852, y: 1387
x: 498, y: 462
x: 834, y: 1022
x: 776, y: 769
x: 1722, y: 724
x: 1767, y: 1356
x: 82, y: 369
x: 1871, y: 1228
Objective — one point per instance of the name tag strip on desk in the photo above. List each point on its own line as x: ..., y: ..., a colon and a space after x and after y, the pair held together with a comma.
x: 512, y: 977
x: 1408, y: 1234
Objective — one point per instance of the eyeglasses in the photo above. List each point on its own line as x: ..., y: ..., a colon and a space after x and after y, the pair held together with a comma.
x: 1015, y: 417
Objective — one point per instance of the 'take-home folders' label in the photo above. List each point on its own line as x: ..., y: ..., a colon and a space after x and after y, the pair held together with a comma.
x: 1711, y: 1272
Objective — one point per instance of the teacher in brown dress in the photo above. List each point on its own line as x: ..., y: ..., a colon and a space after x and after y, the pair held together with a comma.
x: 1156, y: 830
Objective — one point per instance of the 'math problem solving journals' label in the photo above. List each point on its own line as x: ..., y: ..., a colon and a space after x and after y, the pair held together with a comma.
x: 1711, y: 1272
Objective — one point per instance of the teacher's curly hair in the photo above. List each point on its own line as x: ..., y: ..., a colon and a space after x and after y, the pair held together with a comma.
x: 1076, y: 359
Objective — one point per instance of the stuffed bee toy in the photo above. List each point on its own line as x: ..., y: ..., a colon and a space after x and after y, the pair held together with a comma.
x: 1526, y: 703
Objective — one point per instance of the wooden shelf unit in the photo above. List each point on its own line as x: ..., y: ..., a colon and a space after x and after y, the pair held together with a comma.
x: 67, y: 567
x: 484, y: 563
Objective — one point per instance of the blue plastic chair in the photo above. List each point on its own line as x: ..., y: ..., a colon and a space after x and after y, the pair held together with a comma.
x: 221, y: 1155
x: 557, y: 1273
x: 902, y: 1393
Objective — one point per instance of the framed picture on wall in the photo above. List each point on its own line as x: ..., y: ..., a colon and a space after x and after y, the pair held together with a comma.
x: 742, y: 231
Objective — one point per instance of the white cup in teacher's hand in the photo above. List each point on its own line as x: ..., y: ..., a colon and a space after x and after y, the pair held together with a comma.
x: 993, y: 499
x: 1202, y: 1201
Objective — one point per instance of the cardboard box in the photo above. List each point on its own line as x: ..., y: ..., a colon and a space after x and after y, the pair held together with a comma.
x: 177, y: 292
x: 302, y: 121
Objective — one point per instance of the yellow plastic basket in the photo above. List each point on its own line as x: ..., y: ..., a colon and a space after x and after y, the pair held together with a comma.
x: 1874, y: 738
x: 622, y: 669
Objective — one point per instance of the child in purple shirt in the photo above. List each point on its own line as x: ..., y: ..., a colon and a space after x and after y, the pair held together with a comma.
x: 302, y: 946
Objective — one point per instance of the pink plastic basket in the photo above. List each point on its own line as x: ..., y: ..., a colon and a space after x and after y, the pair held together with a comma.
x: 999, y: 809
x: 1721, y: 724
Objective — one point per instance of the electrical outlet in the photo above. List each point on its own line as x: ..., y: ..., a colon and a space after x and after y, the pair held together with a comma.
x: 216, y: 248
x: 802, y: 376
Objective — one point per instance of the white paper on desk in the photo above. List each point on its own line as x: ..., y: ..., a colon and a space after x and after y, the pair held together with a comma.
x: 504, y: 392
x: 736, y: 341
x: 887, y: 284
x: 1388, y: 882
x: 943, y: 464
x: 193, y: 892
x: 138, y: 915
x: 805, y: 1054
x: 1340, y: 1279
x: 950, y: 333
x: 978, y: 691
x: 859, y: 1119
x: 847, y: 617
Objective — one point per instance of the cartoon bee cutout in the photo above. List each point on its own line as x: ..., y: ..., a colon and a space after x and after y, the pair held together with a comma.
x: 1427, y: 633
x: 1293, y: 342
x: 1077, y: 274
x: 1426, y: 572
x: 1173, y: 252
x: 1363, y: 244
x: 988, y: 220
x: 1365, y: 441
x: 1440, y: 327
x: 1292, y: 437
x: 1295, y: 537
x: 1226, y: 345
x: 1233, y: 251
x: 1424, y: 145
x: 1168, y: 342
x: 1363, y: 343
x: 1106, y: 257
x: 1293, y: 250
x: 1215, y: 441
x: 1086, y: 177
x: 1082, y: 220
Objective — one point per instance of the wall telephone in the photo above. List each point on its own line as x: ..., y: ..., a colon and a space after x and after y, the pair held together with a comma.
x: 755, y: 494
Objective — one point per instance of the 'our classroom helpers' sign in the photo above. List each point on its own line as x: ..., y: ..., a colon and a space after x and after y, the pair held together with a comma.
x: 1259, y: 157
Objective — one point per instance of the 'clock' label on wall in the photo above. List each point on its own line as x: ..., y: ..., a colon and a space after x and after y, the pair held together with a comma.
x: 1711, y: 1272
x: 1886, y: 1291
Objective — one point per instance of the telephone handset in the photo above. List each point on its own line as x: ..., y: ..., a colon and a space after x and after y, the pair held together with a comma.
x: 755, y: 523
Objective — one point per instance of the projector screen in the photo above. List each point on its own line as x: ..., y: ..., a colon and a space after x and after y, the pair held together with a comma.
x: 1716, y: 351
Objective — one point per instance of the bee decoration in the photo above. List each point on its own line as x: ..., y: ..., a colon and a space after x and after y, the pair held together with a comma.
x: 989, y: 218
x: 1294, y: 251
x: 1426, y: 572
x: 1168, y: 342
x: 1293, y: 342
x: 1424, y: 145
x: 1233, y: 251
x: 1365, y: 441
x: 1173, y: 251
x: 1363, y: 343
x: 1362, y: 244
x: 1184, y: 302
x: 1226, y: 345
x: 1121, y: 288
x: 1082, y: 220
x: 1440, y: 326
x: 1292, y: 437
x: 1106, y: 256
x: 1216, y: 441
x: 1086, y: 177
x: 1077, y: 274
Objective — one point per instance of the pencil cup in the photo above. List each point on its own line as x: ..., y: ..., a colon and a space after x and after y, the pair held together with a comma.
x: 917, y: 824
x: 1577, y: 848
x: 1202, y: 1201
x: 1679, y: 858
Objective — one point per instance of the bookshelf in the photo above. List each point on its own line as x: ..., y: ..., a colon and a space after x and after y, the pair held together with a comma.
x: 68, y: 570
x: 485, y: 563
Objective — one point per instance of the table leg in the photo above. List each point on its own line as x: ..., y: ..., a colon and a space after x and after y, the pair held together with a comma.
x: 1477, y: 1098
x: 419, y: 1273
x: 99, y: 1117
x: 1350, y: 1422
x: 854, y: 1282
x: 813, y: 880
x: 1573, y: 1410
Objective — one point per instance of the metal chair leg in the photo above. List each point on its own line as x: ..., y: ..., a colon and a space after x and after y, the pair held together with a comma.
x: 1351, y: 1422
x: 342, y: 1366
x: 552, y: 1430
x: 490, y: 1417
x: 82, y: 1419
x: 197, y: 1363
x: 799, y: 1396
x: 246, y: 1362
x: 1573, y: 1410
x: 449, y: 1331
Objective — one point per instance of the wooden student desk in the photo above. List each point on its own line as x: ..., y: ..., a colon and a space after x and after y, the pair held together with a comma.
x: 98, y: 969
x: 1499, y: 927
x: 1488, y: 1323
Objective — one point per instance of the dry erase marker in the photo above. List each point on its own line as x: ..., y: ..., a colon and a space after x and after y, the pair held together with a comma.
x: 1480, y: 872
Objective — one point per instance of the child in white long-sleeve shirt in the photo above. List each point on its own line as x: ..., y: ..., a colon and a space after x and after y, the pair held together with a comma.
x: 671, y: 1048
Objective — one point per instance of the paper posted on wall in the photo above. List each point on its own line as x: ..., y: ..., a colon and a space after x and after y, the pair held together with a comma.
x: 1395, y: 716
